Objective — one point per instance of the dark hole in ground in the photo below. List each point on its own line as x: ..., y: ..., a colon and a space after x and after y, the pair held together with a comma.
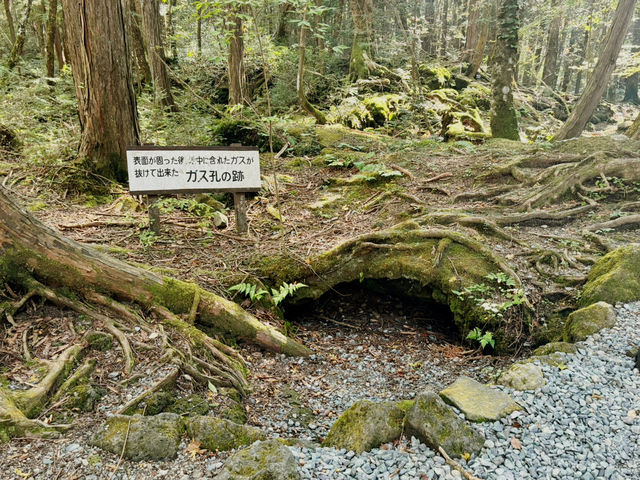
x: 378, y: 308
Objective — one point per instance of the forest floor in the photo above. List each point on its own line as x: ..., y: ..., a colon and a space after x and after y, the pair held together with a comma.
x: 365, y: 345
x: 549, y: 210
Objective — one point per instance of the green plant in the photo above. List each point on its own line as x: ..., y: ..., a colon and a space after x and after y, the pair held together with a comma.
x: 485, y: 295
x: 249, y: 290
x: 484, y: 339
x: 289, y: 329
x: 256, y: 294
x: 285, y: 290
x: 148, y: 238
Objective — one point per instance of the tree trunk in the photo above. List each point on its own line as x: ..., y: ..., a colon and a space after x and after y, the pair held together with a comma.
x: 52, y: 26
x: 96, y: 42
x: 39, y: 27
x: 361, y: 61
x: 631, y: 83
x: 504, y: 123
x: 476, y: 37
x: 18, y: 45
x: 171, y: 32
x: 9, y: 15
x: 550, y: 69
x: 199, y: 29
x: 39, y: 261
x: 445, y: 28
x: 601, y: 74
x: 582, y: 51
x: 59, y: 48
x: 428, y: 39
x: 634, y: 130
x: 155, y: 52
x: 134, y: 18
x: 280, y: 36
x: 237, y: 76
x: 304, y: 103
x: 570, y: 61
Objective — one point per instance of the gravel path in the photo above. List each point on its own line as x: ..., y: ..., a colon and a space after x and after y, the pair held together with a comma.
x: 581, y: 425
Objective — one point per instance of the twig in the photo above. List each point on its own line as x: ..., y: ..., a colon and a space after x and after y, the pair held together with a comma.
x: 159, y: 385
x: 124, y: 446
x: 438, y: 177
x: 455, y: 465
x: 404, y: 171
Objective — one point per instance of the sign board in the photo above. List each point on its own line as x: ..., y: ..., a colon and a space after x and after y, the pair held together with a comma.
x: 157, y: 170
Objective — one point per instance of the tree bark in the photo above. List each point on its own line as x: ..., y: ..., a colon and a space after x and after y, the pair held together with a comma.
x: 59, y: 48
x: 631, y: 82
x: 199, y: 30
x: 550, y: 68
x: 52, y: 26
x: 9, y: 15
x: 445, y: 28
x: 18, y: 45
x: 99, y: 56
x: 361, y: 60
x: 280, y: 36
x: 237, y: 76
x: 304, y: 103
x: 601, y: 74
x: 476, y: 36
x: 136, y: 40
x: 504, y: 123
x: 155, y: 52
x: 428, y: 39
x: 171, y: 32
x: 634, y: 130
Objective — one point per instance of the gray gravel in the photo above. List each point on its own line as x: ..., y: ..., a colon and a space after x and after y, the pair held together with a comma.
x: 583, y: 424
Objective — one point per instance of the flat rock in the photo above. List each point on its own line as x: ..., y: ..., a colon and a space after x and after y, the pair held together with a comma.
x: 553, y: 347
x: 435, y: 423
x: 478, y: 402
x: 268, y: 460
x: 523, y: 376
x: 147, y: 438
x: 215, y: 433
x: 366, y: 425
x: 588, y: 320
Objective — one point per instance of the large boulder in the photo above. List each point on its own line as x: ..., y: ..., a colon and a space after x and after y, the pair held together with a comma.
x: 614, y: 278
x: 589, y: 320
x: 143, y: 438
x: 436, y: 424
x: 366, y: 425
x: 523, y: 376
x: 220, y: 434
x: 269, y: 460
x: 477, y: 401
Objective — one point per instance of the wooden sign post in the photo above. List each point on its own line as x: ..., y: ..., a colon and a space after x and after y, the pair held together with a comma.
x: 164, y: 170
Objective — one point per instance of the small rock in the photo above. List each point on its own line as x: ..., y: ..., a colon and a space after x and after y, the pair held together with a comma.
x: 267, y: 460
x: 477, y: 401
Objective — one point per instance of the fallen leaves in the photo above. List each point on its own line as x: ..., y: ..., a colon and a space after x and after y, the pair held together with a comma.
x: 193, y: 449
x: 516, y: 444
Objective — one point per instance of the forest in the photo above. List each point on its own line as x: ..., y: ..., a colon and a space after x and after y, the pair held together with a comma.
x: 444, y: 240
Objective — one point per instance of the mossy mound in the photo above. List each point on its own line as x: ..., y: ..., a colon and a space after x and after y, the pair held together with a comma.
x: 84, y: 397
x: 553, y: 347
x: 373, y: 111
x: 366, y: 425
x: 589, y: 320
x: 435, y: 76
x: 8, y: 139
x: 339, y: 136
x: 220, y: 434
x: 437, y: 425
x: 246, y: 132
x: 431, y: 264
x: 477, y: 96
x: 141, y: 438
x: 268, y: 460
x: 614, y: 278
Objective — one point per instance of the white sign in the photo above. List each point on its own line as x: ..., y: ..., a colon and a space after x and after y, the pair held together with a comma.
x: 154, y: 170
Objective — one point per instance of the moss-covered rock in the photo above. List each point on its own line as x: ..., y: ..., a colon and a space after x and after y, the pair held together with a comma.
x: 366, y: 425
x: 191, y: 405
x: 220, y: 434
x: 435, y: 76
x: 142, y: 438
x: 614, y: 278
x: 437, y: 425
x: 84, y: 397
x: 477, y: 401
x: 522, y: 376
x: 245, y: 131
x: 268, y: 460
x: 553, y: 347
x: 589, y: 320
x: 99, y: 340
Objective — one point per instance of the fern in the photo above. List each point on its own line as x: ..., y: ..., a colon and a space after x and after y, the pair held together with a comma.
x: 249, y: 290
x: 285, y: 290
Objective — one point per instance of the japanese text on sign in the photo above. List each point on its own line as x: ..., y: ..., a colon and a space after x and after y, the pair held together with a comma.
x: 180, y: 169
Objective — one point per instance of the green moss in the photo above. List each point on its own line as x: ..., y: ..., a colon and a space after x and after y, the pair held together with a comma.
x: 476, y: 95
x: 615, y: 278
x: 99, y: 341
x: 549, y: 348
x: 37, y: 206
x: 435, y: 76
x: 191, y: 405
x: 405, y: 405
x: 588, y: 320
x: 84, y: 397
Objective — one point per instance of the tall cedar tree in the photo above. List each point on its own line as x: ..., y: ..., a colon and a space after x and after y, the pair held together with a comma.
x: 95, y: 36
x: 504, y: 123
x: 601, y: 74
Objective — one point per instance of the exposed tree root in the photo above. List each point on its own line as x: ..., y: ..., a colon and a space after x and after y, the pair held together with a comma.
x: 630, y: 221
x: 161, y: 384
